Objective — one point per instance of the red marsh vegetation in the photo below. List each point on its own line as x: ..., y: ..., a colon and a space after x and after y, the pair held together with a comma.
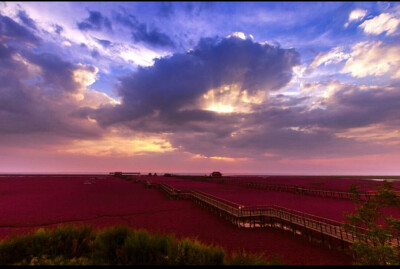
x: 334, y: 209
x: 29, y: 203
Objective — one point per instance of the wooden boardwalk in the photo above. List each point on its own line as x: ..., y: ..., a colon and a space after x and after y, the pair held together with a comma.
x: 322, y: 230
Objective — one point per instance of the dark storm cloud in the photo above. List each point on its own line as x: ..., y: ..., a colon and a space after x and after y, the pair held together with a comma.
x: 57, y: 74
x: 179, y: 80
x: 354, y: 107
x: 126, y: 19
x: 13, y: 98
x: 26, y: 19
x: 11, y: 30
x: 255, y: 142
x: 152, y: 37
x: 257, y: 66
x: 280, y: 131
x: 141, y: 32
x: 95, y: 22
x: 34, y: 88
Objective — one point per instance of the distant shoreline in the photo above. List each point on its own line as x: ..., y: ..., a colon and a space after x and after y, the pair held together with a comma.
x: 73, y: 174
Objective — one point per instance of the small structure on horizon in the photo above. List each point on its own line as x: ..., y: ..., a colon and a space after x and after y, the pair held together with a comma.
x: 216, y: 174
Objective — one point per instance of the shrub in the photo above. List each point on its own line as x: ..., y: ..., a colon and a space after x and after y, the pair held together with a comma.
x: 108, y: 245
x: 378, y: 248
x: 67, y: 241
x: 70, y: 245
x: 144, y: 249
x: 192, y: 252
x: 15, y: 249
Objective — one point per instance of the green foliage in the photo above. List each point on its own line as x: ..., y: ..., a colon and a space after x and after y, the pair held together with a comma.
x: 70, y: 245
x: 144, y: 249
x: 109, y: 244
x: 375, y: 246
x: 192, y: 252
x: 14, y: 250
x: 69, y: 242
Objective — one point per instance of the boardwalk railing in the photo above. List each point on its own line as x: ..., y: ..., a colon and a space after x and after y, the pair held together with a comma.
x: 284, y: 188
x: 274, y: 216
x: 170, y: 191
x: 288, y: 219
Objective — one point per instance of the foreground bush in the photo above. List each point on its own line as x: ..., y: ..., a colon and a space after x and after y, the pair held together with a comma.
x: 381, y: 245
x: 71, y: 245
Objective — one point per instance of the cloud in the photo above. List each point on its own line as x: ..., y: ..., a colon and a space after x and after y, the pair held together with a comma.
x: 373, y: 58
x: 9, y: 29
x: 103, y: 43
x: 180, y: 80
x: 356, y: 15
x: 155, y: 100
x: 126, y: 19
x: 26, y: 19
x: 289, y: 127
x: 224, y: 100
x: 141, y: 33
x: 334, y: 56
x: 95, y: 22
x: 58, y: 29
x: 385, y: 22
x: 117, y: 143
x: 40, y: 91
x: 153, y: 37
x: 353, y: 106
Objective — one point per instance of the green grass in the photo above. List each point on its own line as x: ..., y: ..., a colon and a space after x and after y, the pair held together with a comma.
x: 81, y: 245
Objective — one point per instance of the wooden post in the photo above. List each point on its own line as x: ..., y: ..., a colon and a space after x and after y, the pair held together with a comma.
x: 291, y: 221
x: 322, y: 234
x: 341, y: 239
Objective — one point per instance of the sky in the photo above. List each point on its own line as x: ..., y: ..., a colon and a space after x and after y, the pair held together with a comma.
x: 237, y: 87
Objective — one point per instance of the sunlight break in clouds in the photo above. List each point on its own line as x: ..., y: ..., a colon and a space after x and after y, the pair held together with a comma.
x: 219, y: 158
x: 231, y: 98
x: 117, y: 144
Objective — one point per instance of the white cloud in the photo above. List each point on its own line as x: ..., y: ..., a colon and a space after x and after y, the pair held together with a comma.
x: 336, y: 55
x: 241, y: 35
x: 373, y: 59
x: 356, y: 15
x: 385, y: 22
